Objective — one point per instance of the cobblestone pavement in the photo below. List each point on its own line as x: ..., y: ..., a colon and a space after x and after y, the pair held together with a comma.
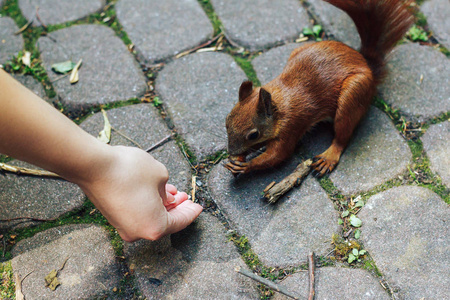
x: 394, y: 177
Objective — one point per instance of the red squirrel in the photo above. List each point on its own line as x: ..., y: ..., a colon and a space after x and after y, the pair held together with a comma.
x: 323, y: 80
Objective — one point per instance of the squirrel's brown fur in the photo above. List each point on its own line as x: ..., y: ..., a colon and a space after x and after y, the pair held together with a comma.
x: 323, y: 80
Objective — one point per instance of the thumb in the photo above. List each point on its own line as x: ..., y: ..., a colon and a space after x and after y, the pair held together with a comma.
x: 182, y: 215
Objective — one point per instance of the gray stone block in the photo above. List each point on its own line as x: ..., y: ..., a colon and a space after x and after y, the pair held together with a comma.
x: 417, y: 82
x: 32, y: 84
x: 336, y: 22
x: 142, y: 123
x: 199, y: 91
x: 59, y: 11
x: 109, y: 72
x: 305, y: 215
x: 260, y: 24
x: 197, y: 263
x: 10, y: 44
x: 436, y: 144
x: 405, y: 229
x: 162, y: 29
x: 437, y: 12
x: 91, y: 270
x: 335, y: 283
x: 270, y: 64
x: 35, y: 197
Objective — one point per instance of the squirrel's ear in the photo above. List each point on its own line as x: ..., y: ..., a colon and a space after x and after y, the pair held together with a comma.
x: 265, y: 103
x: 245, y: 90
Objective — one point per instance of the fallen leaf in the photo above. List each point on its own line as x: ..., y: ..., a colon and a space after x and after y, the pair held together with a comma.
x: 105, y: 135
x: 74, y: 75
x: 26, y: 58
x: 357, y: 234
x: 19, y: 294
x: 355, y: 221
x: 63, y: 67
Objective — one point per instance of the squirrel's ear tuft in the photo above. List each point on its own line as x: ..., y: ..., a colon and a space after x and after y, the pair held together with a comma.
x: 265, y: 105
x: 245, y: 90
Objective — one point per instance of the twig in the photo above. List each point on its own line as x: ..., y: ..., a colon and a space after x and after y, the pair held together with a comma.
x: 198, y: 47
x: 26, y: 171
x: 161, y: 142
x: 60, y: 77
x: 126, y: 137
x: 19, y: 294
x: 266, y: 282
x: 39, y: 18
x: 24, y: 27
x: 311, y: 268
x: 27, y: 218
x: 274, y: 193
x: 194, y: 184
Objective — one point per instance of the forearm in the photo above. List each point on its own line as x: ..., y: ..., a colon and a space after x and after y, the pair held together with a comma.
x: 32, y: 130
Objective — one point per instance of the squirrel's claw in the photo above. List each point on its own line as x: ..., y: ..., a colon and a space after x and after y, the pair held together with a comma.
x: 236, y: 167
x: 321, y: 167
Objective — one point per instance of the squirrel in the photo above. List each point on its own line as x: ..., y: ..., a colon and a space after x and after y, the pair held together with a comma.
x: 322, y: 80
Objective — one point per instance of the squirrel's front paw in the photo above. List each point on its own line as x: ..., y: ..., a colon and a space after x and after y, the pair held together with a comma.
x: 237, y: 167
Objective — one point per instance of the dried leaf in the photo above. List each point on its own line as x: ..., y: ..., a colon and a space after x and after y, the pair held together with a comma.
x: 63, y: 67
x: 51, y: 281
x: 26, y: 58
x: 74, y: 75
x: 19, y: 294
x: 105, y: 135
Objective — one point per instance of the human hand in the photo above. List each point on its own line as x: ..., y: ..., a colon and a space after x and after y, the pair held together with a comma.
x: 130, y: 190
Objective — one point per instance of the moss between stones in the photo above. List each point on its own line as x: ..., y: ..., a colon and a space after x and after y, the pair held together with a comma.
x: 7, y: 286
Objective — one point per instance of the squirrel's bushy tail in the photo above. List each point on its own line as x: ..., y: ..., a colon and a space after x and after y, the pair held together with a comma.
x: 381, y: 24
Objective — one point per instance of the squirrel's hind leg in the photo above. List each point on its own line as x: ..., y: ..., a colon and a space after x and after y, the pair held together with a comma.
x: 356, y: 95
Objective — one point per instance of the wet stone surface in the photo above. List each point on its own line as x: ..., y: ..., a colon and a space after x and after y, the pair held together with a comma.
x: 335, y: 283
x: 414, y: 82
x: 35, y: 197
x: 259, y: 24
x: 375, y: 154
x: 10, y: 44
x: 90, y: 271
x: 405, y: 229
x: 144, y: 126
x: 199, y: 91
x: 437, y: 12
x: 108, y: 73
x: 161, y: 29
x: 197, y: 263
x: 336, y: 23
x: 305, y: 216
x: 58, y: 11
x: 435, y: 143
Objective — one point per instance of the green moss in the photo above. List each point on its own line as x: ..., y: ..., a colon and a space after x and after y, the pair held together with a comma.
x: 95, y: 109
x: 214, y: 19
x: 247, y: 67
x: 187, y: 152
x: 370, y: 266
x: 7, y: 286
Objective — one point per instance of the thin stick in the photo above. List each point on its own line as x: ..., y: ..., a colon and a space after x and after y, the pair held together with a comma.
x: 266, y: 282
x: 194, y: 184
x: 39, y: 18
x: 24, y: 27
x: 311, y: 268
x: 126, y: 137
x: 60, y: 77
x: 19, y: 294
x: 274, y: 193
x: 26, y: 171
x: 198, y: 47
x: 161, y: 142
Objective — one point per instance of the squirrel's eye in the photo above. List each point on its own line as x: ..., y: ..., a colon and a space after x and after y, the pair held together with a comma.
x: 253, y: 135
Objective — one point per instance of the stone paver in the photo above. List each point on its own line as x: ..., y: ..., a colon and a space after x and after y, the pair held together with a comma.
x: 197, y: 263
x: 34, y: 197
x: 437, y: 12
x: 161, y: 29
x: 270, y: 64
x: 142, y: 124
x: 199, y: 91
x: 58, y: 11
x: 306, y: 217
x: 375, y: 154
x: 10, y: 44
x: 335, y: 283
x: 90, y: 271
x: 336, y: 22
x: 109, y: 72
x: 260, y: 24
x: 414, y: 82
x: 435, y: 143
x: 405, y: 229
x: 33, y: 85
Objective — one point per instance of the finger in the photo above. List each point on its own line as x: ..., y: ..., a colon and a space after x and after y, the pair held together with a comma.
x: 182, y: 215
x: 169, y: 200
x: 170, y: 188
x: 180, y: 197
